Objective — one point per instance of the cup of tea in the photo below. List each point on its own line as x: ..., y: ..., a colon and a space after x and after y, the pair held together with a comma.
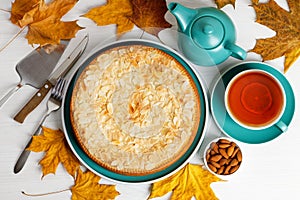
x: 255, y: 100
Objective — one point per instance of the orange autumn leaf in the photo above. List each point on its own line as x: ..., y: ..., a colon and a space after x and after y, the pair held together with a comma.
x: 43, y: 20
x: 222, y: 3
x: 87, y: 187
x: 20, y: 8
x: 191, y: 181
x: 286, y: 24
x: 149, y: 15
x: 114, y: 12
x: 53, y: 142
x: 145, y: 14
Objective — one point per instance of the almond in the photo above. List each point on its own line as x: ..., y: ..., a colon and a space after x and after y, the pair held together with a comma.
x: 239, y: 156
x: 215, y: 148
x: 224, y: 141
x: 212, y: 152
x: 223, y: 161
x: 227, y: 170
x: 221, y: 170
x: 213, y: 145
x: 224, y: 146
x: 207, y: 155
x: 213, y: 168
x: 216, y: 158
x: 235, y: 151
x: 234, y: 162
x: 233, y: 169
x: 230, y: 150
x: 223, y: 153
x: 232, y: 144
x: 217, y: 165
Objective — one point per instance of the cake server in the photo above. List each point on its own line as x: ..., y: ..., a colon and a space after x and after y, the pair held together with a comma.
x: 35, y: 68
x: 60, y: 71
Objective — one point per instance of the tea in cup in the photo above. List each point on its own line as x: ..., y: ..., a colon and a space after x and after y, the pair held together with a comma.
x: 255, y: 99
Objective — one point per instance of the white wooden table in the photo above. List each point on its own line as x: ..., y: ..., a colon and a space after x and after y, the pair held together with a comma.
x: 269, y: 171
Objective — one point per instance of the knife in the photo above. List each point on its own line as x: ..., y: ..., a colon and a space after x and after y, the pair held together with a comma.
x: 61, y: 71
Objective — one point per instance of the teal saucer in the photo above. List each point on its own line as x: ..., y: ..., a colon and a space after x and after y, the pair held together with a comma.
x: 231, y: 128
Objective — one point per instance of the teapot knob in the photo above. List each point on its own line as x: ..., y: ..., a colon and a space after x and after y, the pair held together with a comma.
x: 207, y: 32
x: 208, y: 29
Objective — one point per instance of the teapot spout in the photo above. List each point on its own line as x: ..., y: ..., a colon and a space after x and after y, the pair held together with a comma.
x: 183, y: 15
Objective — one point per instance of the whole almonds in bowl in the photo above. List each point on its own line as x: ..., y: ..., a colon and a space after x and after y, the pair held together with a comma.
x: 223, y: 157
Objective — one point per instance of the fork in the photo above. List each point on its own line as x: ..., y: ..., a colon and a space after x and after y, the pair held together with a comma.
x: 53, y: 104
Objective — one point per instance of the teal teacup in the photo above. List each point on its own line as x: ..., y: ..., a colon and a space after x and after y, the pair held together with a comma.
x: 255, y: 99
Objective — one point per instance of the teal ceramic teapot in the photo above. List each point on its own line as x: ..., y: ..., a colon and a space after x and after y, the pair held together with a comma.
x: 206, y: 35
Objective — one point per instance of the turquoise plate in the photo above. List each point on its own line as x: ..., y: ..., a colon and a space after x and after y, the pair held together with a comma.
x: 232, y: 129
x: 101, y: 171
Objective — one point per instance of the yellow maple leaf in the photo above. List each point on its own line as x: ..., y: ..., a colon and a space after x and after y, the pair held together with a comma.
x: 286, y: 42
x: 43, y: 20
x: 87, y: 187
x: 147, y: 15
x: 114, y: 12
x: 190, y: 181
x: 222, y: 3
x: 53, y: 142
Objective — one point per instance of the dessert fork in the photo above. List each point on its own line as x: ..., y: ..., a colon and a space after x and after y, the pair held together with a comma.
x: 53, y: 104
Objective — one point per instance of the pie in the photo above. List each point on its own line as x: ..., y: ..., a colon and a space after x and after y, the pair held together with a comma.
x: 135, y: 110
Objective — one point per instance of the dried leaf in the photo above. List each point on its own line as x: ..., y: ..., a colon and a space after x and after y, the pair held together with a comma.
x: 114, y: 12
x: 87, y: 187
x: 149, y: 15
x: 146, y: 14
x: 287, y: 26
x: 53, y: 142
x: 20, y: 7
x: 190, y: 181
x: 43, y: 20
x: 222, y: 3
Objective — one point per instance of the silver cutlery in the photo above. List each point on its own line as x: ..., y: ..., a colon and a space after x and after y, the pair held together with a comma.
x: 35, y: 68
x: 48, y: 84
x: 53, y: 104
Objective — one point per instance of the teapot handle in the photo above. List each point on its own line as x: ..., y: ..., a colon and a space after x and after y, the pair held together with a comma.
x: 236, y: 51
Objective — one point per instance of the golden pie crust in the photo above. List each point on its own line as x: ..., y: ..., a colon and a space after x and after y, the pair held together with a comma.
x: 135, y: 110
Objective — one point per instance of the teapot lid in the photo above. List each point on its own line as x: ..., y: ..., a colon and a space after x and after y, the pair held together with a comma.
x: 207, y: 32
